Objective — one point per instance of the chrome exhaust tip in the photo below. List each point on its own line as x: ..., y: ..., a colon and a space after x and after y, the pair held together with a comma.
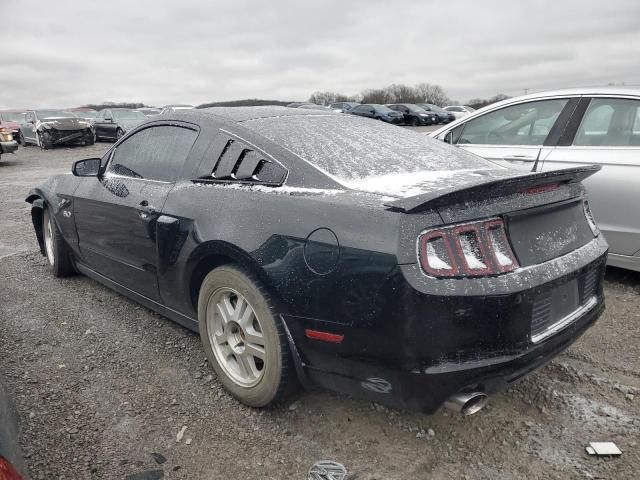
x: 467, y: 403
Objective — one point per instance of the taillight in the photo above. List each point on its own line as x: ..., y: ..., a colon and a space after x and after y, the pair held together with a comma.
x: 7, y: 472
x: 468, y: 250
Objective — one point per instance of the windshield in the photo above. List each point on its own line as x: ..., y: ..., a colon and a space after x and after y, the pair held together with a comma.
x: 12, y: 116
x: 415, y: 108
x: 381, y: 108
x: 128, y: 115
x: 349, y: 148
x: 54, y: 114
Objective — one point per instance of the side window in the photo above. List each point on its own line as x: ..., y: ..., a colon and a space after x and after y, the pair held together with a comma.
x: 522, y: 124
x: 361, y: 109
x: 610, y: 122
x: 155, y: 153
x: 100, y: 115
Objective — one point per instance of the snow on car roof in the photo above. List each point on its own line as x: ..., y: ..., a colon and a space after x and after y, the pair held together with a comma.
x: 350, y: 148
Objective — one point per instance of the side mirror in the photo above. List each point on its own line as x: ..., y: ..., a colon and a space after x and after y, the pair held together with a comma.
x: 89, y: 167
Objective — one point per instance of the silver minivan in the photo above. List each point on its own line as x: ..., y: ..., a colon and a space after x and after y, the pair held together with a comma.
x: 568, y: 128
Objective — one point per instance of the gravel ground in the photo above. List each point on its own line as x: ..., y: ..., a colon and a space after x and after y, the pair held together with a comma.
x: 103, y: 385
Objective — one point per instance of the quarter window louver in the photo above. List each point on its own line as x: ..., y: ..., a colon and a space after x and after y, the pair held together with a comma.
x: 240, y: 163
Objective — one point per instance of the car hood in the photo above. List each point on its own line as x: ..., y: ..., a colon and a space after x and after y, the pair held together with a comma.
x: 409, y: 184
x: 10, y: 125
x: 63, y: 123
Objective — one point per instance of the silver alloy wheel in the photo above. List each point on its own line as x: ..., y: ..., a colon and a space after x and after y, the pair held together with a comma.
x: 48, y: 240
x: 236, y: 337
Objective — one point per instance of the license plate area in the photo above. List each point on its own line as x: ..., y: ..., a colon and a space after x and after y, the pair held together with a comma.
x: 559, y: 306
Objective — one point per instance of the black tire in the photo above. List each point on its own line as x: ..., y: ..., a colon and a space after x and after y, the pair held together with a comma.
x: 45, y: 140
x: 91, y: 139
x: 414, y: 122
x: 21, y: 139
x: 119, y: 133
x: 278, y: 378
x: 57, y: 251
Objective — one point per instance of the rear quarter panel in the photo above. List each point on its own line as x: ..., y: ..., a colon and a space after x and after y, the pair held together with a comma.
x: 271, y: 230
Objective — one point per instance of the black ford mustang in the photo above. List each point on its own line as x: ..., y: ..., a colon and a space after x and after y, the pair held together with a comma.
x: 324, y: 248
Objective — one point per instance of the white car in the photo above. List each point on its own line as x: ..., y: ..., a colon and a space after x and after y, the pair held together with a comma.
x: 570, y: 128
x: 459, y: 111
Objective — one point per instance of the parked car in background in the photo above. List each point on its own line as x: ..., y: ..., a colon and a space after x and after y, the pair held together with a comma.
x: 50, y: 128
x: 7, y: 143
x: 11, y: 461
x: 175, y: 108
x: 113, y: 123
x: 343, y: 107
x: 414, y: 115
x: 150, y: 111
x: 567, y: 128
x: 11, y: 119
x: 363, y: 257
x: 443, y: 115
x: 377, y: 112
x: 314, y: 107
x: 459, y: 111
x: 87, y: 113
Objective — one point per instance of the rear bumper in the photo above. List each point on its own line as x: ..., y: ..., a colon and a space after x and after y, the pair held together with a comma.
x: 420, y: 349
x: 8, y: 147
x: 426, y: 390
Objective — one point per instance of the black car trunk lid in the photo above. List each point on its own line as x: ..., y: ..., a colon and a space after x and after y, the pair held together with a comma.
x: 543, y: 212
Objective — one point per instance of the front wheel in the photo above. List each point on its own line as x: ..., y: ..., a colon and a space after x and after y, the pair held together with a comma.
x: 45, y: 141
x: 56, y: 249
x: 243, y: 339
x: 414, y: 122
x: 21, y: 139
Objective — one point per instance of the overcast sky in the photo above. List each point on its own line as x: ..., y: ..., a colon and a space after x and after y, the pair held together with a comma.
x: 68, y: 52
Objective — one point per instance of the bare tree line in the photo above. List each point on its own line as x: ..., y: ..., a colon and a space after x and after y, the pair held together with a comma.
x: 400, y: 93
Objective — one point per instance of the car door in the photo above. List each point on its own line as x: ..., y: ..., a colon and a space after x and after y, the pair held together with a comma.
x: 514, y: 135
x: 28, y: 127
x: 99, y: 124
x: 608, y: 134
x: 116, y: 214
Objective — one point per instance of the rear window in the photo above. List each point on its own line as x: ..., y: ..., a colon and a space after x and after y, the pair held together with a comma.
x: 350, y: 148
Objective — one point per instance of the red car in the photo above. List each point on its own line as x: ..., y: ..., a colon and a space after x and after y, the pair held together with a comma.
x: 10, y: 119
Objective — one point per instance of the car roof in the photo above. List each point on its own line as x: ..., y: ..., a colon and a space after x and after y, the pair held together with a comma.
x: 241, y: 114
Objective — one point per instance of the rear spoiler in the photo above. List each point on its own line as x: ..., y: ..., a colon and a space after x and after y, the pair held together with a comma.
x: 491, y: 188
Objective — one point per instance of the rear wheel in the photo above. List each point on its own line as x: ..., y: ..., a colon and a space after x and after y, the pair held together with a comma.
x: 243, y: 338
x: 119, y: 133
x: 57, y: 251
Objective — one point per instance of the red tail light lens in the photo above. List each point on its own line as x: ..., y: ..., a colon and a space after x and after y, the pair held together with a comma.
x: 7, y: 472
x: 469, y: 250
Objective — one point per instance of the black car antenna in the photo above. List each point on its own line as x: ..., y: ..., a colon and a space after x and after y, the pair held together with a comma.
x: 535, y: 164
